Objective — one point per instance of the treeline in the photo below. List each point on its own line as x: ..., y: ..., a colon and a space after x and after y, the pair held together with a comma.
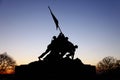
x: 108, y: 69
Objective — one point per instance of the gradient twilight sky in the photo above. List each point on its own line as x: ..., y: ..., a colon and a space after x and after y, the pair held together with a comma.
x: 26, y: 28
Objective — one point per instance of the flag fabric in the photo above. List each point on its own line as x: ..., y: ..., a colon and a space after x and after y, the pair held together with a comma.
x: 54, y: 18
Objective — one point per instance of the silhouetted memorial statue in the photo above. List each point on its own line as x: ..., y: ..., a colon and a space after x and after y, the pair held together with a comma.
x: 58, y: 62
x: 60, y: 46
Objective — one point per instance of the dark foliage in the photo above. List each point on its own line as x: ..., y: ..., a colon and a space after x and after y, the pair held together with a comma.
x: 6, y: 63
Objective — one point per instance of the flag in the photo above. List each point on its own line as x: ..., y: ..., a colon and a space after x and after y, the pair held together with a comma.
x: 54, y: 18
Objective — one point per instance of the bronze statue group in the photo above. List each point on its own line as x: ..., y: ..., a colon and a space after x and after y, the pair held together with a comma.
x: 59, y: 48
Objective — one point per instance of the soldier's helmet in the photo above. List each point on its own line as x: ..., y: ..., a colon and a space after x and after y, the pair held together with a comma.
x: 54, y: 37
x: 76, y: 46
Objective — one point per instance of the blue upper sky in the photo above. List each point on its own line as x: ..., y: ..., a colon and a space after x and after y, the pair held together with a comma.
x: 26, y: 27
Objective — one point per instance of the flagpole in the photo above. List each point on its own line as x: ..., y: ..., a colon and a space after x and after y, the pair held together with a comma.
x: 60, y: 29
x: 55, y: 20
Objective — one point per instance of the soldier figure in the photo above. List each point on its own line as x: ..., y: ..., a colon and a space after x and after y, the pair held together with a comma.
x: 50, y: 48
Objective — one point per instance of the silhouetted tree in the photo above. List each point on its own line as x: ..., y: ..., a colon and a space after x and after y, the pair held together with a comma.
x: 7, y: 64
x: 118, y: 63
x: 107, y: 64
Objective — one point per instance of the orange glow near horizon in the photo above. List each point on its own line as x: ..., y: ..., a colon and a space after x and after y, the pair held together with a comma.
x: 8, y: 72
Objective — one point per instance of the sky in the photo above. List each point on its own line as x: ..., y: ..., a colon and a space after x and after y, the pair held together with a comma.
x: 27, y: 27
